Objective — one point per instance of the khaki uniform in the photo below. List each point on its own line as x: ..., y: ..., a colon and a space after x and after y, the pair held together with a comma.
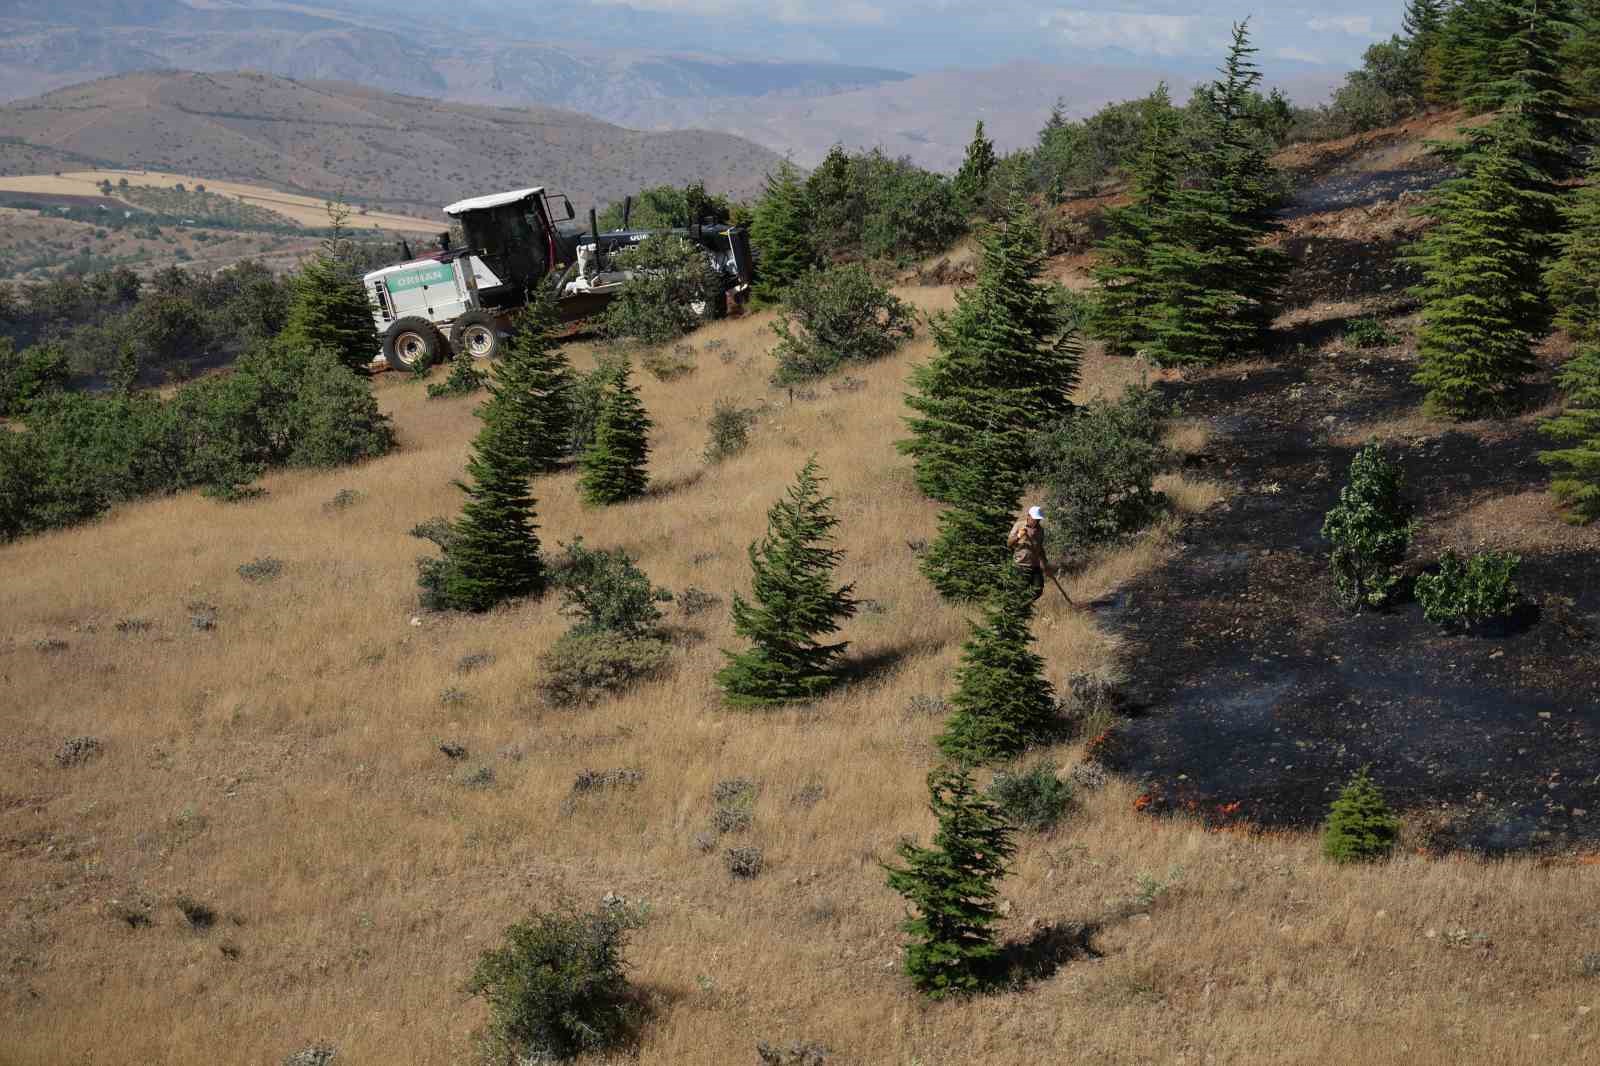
x: 1027, y: 544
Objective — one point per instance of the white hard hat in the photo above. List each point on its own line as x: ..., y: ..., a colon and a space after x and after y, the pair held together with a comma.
x: 1036, y: 513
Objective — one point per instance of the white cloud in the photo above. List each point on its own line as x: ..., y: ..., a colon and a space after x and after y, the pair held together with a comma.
x: 1298, y: 55
x: 1354, y: 25
x: 1139, y: 32
x: 794, y: 12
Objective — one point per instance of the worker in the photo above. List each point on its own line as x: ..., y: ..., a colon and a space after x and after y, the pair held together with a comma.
x: 1026, y: 541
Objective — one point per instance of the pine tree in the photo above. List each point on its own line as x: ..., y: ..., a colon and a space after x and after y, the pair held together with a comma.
x: 1003, y: 703
x: 612, y: 468
x: 1574, y: 277
x: 1538, y: 123
x: 1422, y: 23
x: 1360, y: 827
x: 951, y: 887
x: 1006, y: 364
x: 1125, y: 289
x: 968, y: 558
x: 1482, y: 292
x: 493, y: 548
x: 1580, y: 56
x: 972, y: 180
x: 1216, y: 279
x: 781, y: 232
x: 1577, y: 465
x: 531, y: 390
x: 795, y: 603
x: 329, y: 307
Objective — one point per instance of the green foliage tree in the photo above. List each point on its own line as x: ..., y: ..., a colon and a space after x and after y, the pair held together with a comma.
x: 1423, y: 24
x: 1573, y: 278
x: 672, y: 290
x: 1576, y: 461
x: 668, y: 207
x: 1470, y: 592
x: 1002, y: 703
x: 1482, y: 290
x: 1580, y: 56
x: 951, y: 888
x: 1006, y: 363
x: 1370, y: 529
x: 614, y: 466
x: 557, y: 987
x: 972, y: 179
x: 834, y: 316
x: 531, y: 389
x: 28, y: 376
x: 492, y: 554
x: 1360, y: 827
x: 781, y: 232
x: 1217, y: 280
x: 968, y: 558
x: 329, y: 308
x: 1125, y: 286
x: 607, y: 592
x: 795, y: 603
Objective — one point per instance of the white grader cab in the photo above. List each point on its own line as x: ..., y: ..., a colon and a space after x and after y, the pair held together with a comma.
x: 462, y: 300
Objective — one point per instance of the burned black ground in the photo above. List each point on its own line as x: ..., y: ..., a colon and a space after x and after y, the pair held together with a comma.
x: 1260, y: 696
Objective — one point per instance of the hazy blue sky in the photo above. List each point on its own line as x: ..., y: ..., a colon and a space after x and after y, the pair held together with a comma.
x: 920, y: 34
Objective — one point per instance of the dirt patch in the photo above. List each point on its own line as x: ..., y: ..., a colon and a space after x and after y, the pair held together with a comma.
x: 1261, y: 695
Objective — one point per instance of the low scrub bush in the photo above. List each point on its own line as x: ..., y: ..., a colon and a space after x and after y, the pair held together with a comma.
x: 1368, y: 333
x: 1099, y: 466
x: 1360, y: 827
x: 665, y: 365
x: 1370, y: 529
x: 744, y: 863
x: 586, y: 395
x: 606, y: 592
x: 261, y: 570
x: 735, y: 805
x: 1035, y: 798
x: 557, y: 987
x: 673, y: 289
x: 581, y: 668
x: 692, y: 601
x: 729, y: 427
x: 464, y: 379
x: 29, y: 375
x: 831, y: 317
x: 1465, y: 593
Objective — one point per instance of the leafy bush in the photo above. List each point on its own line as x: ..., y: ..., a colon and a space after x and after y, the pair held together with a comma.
x: 735, y: 805
x: 1034, y: 799
x: 744, y: 863
x: 1368, y: 333
x: 259, y: 570
x: 1099, y: 465
x: 580, y: 668
x: 1464, y: 594
x: 29, y: 375
x: 1370, y: 528
x: 607, y: 592
x: 673, y: 288
x: 464, y: 379
x: 1360, y: 826
x: 729, y: 426
x: 557, y: 987
x: 833, y: 316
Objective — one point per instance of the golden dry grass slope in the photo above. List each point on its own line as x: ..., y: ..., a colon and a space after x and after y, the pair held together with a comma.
x: 398, y: 153
x: 284, y: 768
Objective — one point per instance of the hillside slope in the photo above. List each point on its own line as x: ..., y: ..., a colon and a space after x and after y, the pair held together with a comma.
x: 402, y: 153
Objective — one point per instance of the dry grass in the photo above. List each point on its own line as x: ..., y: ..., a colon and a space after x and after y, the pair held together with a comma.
x: 283, y: 768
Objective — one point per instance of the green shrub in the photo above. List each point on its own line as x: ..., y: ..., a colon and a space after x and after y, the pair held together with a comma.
x: 1360, y: 827
x: 464, y: 379
x: 1368, y: 333
x: 1467, y: 593
x: 586, y: 397
x: 729, y: 426
x: 557, y: 987
x: 669, y: 365
x: 1370, y: 528
x: 29, y: 375
x: 1098, y: 467
x: 672, y: 290
x: 835, y: 316
x: 1035, y: 798
x: 580, y: 668
x: 606, y: 592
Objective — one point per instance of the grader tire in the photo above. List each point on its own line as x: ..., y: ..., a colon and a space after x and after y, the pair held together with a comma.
x: 412, y: 343
x: 476, y: 334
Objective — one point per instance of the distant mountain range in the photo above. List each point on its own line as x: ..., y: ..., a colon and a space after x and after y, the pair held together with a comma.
x: 402, y: 153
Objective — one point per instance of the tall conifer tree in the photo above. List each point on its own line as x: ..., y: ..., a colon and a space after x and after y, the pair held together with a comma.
x: 530, y: 391
x: 951, y: 887
x: 1574, y: 277
x: 613, y: 467
x: 1577, y: 431
x: 968, y: 558
x: 329, y: 308
x: 972, y: 180
x: 795, y: 603
x: 781, y: 232
x: 492, y: 553
x: 1125, y: 285
x: 1003, y: 703
x: 1006, y: 364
